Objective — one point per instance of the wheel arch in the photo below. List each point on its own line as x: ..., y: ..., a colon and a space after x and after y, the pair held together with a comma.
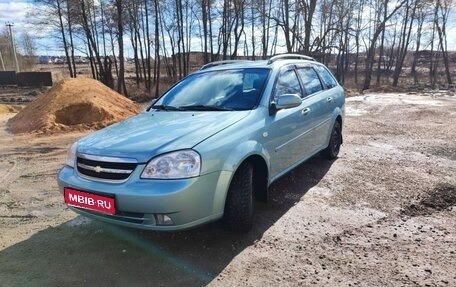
x: 260, y: 177
x: 337, y: 116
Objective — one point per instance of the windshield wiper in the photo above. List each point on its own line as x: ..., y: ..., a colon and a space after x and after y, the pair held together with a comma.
x: 166, y: 108
x: 204, y: 108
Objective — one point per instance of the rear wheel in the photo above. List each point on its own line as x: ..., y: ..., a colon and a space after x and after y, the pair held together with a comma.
x: 335, y: 141
x: 239, y: 202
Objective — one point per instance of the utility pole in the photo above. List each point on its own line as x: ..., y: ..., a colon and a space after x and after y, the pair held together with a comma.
x: 9, y: 25
x: 1, y: 60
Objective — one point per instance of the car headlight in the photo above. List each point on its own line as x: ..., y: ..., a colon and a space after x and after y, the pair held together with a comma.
x: 71, y: 156
x: 173, y: 165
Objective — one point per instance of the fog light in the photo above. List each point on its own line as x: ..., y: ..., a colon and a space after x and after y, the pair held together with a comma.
x: 163, y: 219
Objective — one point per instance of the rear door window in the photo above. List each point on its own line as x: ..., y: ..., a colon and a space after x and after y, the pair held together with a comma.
x: 310, y: 80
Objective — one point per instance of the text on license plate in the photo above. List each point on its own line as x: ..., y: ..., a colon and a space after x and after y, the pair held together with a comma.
x: 90, y: 201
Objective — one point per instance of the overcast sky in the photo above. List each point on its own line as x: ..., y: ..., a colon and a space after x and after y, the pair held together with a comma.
x: 20, y: 14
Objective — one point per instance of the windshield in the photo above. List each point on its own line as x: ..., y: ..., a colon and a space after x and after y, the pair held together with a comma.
x: 216, y: 90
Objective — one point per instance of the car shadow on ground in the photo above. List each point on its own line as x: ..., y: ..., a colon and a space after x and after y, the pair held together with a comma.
x: 101, y: 254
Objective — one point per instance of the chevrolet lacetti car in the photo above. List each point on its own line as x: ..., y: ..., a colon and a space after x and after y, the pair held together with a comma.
x: 208, y: 147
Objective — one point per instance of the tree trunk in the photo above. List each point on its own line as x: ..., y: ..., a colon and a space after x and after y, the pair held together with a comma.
x: 308, y: 26
x: 382, y: 42
x: 157, y: 48
x: 405, y: 43
x: 442, y: 38
x: 204, y: 6
x: 417, y: 48
x: 121, y: 88
x: 70, y: 32
x: 147, y: 46
x: 62, y: 32
x: 92, y: 42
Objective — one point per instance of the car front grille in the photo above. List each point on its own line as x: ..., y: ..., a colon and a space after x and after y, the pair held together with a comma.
x: 105, y: 168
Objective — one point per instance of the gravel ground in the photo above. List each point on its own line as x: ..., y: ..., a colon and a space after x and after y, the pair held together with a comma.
x: 382, y: 214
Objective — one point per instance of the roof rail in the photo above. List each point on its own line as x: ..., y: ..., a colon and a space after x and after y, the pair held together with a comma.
x: 289, y: 56
x: 224, y: 62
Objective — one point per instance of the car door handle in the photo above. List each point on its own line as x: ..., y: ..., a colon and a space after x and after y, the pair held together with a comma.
x: 305, y: 111
x: 329, y: 99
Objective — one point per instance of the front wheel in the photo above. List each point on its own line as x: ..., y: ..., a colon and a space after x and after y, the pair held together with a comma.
x: 239, y: 202
x: 335, y: 141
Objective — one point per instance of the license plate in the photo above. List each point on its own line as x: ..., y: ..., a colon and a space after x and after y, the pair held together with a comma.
x: 89, y: 201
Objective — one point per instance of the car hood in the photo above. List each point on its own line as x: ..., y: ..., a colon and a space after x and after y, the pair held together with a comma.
x: 151, y: 133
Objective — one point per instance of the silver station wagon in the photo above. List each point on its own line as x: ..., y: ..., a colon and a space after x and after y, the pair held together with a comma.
x: 209, y: 147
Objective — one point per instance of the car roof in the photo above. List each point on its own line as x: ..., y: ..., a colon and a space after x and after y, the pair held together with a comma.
x: 275, y: 61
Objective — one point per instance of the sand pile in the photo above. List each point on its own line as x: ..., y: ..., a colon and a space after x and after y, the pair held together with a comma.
x: 73, y: 104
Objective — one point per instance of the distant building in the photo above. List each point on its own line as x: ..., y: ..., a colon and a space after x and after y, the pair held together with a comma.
x: 44, y: 60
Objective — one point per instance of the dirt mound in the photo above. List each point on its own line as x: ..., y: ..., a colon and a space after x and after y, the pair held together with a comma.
x: 438, y: 199
x: 73, y: 104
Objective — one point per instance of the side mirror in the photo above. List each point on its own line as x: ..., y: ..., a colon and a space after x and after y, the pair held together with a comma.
x: 287, y: 101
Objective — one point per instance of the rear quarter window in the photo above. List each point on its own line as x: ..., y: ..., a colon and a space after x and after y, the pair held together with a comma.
x: 326, y: 77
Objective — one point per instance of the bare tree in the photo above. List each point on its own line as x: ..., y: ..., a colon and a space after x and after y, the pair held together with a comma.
x: 442, y: 11
x: 409, y: 18
x: 421, y: 16
x: 379, y: 27
x: 121, y: 87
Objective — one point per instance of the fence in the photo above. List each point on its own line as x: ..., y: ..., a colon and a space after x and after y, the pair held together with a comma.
x: 25, y: 79
x: 8, y: 78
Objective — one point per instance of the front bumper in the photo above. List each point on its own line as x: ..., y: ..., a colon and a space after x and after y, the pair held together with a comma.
x: 188, y: 202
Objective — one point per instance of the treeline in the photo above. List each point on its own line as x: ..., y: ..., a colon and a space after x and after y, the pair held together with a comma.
x: 363, y: 37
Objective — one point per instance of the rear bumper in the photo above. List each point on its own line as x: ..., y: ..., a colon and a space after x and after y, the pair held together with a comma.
x: 188, y: 202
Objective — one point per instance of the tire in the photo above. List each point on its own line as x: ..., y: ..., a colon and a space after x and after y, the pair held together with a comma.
x: 332, y: 150
x: 239, y: 201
